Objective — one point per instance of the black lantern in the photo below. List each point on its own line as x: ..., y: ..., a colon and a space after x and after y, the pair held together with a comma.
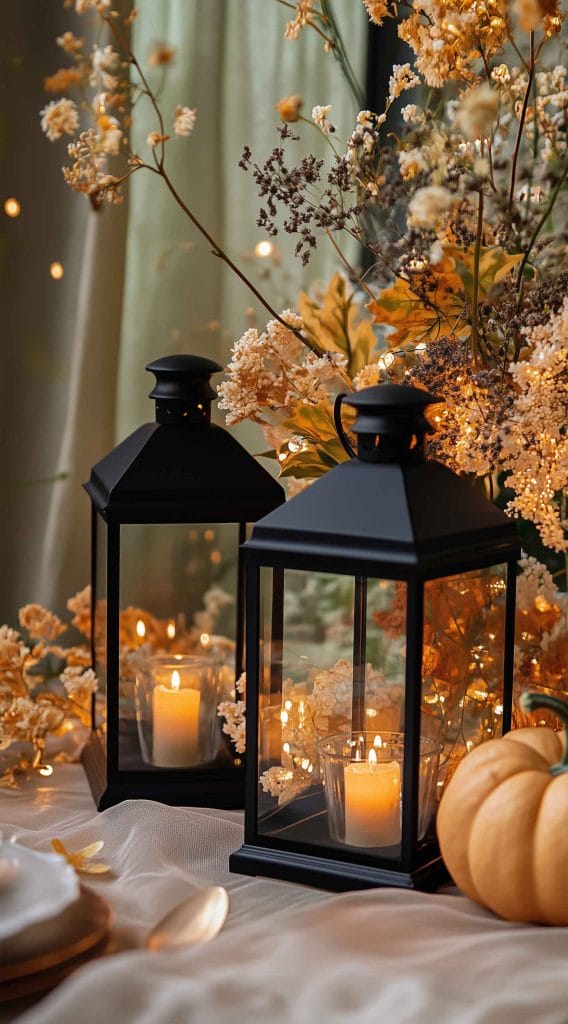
x: 170, y: 507
x: 380, y: 605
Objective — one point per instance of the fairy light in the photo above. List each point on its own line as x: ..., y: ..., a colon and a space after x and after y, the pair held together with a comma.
x: 263, y: 249
x: 12, y: 207
x: 46, y: 770
x: 140, y: 629
x: 205, y: 639
x: 56, y: 270
x: 171, y: 630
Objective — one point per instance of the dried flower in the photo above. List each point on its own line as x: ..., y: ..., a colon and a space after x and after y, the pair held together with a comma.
x: 301, y: 19
x: 319, y: 117
x: 59, y: 118
x: 155, y: 137
x: 70, y: 43
x: 105, y: 62
x: 184, y: 121
x: 402, y: 78
x: 377, y: 10
x: 40, y: 623
x: 429, y: 206
x: 161, y: 55
x: 477, y: 113
x: 80, y: 859
x: 63, y: 79
x: 289, y: 107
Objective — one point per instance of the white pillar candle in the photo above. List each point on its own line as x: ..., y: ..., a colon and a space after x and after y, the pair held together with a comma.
x: 175, y: 713
x: 372, y: 802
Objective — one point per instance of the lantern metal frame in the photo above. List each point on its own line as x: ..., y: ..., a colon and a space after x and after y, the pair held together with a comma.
x: 391, y: 515
x: 181, y: 469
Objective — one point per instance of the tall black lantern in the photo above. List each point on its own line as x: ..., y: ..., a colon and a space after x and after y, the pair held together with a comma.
x: 380, y: 605
x: 170, y: 507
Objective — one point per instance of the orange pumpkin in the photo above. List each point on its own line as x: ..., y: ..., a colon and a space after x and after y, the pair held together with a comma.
x: 503, y: 821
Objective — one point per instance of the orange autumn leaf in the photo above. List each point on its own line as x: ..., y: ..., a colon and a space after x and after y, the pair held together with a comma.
x: 441, y: 309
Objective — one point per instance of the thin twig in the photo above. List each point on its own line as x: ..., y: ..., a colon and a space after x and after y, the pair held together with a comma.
x: 475, y: 298
x: 521, y: 126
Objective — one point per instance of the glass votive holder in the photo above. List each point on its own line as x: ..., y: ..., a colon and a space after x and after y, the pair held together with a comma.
x: 363, y: 781
x: 176, y: 711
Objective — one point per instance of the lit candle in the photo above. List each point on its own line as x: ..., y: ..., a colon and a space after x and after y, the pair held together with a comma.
x: 372, y: 802
x: 175, y: 712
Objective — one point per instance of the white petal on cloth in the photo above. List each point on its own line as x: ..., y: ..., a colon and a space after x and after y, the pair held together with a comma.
x: 287, y: 953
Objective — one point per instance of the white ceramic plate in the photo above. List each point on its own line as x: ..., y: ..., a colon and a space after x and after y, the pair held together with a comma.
x: 43, y: 885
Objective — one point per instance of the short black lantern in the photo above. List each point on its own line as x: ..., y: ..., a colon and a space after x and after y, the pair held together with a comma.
x: 170, y: 507
x: 380, y: 606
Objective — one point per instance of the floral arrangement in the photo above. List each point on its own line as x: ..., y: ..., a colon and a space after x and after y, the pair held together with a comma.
x: 455, y: 191
x: 45, y: 688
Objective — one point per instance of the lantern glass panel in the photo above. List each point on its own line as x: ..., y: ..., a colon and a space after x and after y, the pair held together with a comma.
x: 323, y: 644
x: 177, y: 634
x: 463, y: 662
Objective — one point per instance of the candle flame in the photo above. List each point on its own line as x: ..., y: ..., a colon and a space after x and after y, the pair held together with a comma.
x: 284, y: 717
x: 171, y: 630
x: 205, y: 639
x: 377, y: 742
x: 175, y: 679
x: 140, y: 629
x: 372, y: 757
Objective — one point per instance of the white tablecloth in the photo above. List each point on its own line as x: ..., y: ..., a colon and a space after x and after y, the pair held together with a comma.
x: 287, y: 953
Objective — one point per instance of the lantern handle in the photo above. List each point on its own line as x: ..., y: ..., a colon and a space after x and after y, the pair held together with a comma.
x: 339, y: 426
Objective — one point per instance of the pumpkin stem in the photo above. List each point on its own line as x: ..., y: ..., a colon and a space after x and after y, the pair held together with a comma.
x: 532, y: 701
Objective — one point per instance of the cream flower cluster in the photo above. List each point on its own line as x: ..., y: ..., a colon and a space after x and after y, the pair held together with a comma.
x: 59, y: 118
x: 273, y: 371
x: 536, y: 443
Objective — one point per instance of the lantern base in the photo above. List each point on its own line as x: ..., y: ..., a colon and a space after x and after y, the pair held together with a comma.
x: 338, y: 876
x: 178, y: 788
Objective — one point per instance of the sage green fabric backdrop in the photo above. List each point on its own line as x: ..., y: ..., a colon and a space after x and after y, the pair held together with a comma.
x: 139, y: 281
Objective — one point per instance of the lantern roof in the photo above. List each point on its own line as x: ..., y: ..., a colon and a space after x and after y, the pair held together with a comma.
x: 388, y: 511
x: 182, y: 468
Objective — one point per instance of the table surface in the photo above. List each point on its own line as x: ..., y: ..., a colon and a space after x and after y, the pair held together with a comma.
x: 287, y: 953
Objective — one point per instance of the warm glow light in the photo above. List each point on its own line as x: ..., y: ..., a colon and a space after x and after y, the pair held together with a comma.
x: 171, y: 630
x: 215, y: 557
x: 46, y: 769
x: 12, y: 207
x: 56, y: 270
x: 209, y: 535
x: 285, y: 748
x: 263, y: 249
x: 175, y: 679
x: 377, y: 742
x: 372, y: 757
x: 204, y: 639
x: 140, y: 629
x: 288, y: 705
x: 284, y: 717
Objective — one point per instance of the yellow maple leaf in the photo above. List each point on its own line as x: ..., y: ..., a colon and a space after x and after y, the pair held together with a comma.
x: 494, y: 265
x: 335, y: 325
